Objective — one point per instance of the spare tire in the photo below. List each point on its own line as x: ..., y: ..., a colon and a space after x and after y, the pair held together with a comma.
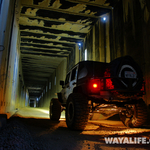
x: 126, y: 74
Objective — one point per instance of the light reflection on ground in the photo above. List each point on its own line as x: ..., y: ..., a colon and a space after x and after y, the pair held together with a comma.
x: 109, y: 127
x: 91, y: 138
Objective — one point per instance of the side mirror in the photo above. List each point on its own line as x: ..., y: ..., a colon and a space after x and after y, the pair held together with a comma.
x: 62, y: 83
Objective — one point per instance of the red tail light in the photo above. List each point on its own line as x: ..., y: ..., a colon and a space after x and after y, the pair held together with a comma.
x: 143, y: 87
x: 109, y: 84
x: 94, y: 85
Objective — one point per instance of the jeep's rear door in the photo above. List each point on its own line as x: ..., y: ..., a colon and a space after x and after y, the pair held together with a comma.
x: 70, y: 83
x: 65, y: 90
x: 73, y: 79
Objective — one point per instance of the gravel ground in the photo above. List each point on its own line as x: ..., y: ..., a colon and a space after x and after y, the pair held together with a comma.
x: 43, y: 134
x: 15, y: 136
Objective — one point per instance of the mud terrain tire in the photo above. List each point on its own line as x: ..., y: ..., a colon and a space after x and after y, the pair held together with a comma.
x: 55, y: 109
x: 138, y: 117
x: 77, y: 111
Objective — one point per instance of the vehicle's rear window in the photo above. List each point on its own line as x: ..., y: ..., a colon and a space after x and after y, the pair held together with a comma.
x: 91, y: 69
x: 67, y: 78
x: 83, y: 73
x: 73, y: 75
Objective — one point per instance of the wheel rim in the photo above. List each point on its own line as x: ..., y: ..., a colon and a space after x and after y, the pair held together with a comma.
x: 128, y: 115
x: 70, y: 111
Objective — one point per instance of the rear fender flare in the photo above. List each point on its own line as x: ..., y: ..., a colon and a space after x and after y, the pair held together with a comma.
x: 59, y: 95
x: 78, y: 89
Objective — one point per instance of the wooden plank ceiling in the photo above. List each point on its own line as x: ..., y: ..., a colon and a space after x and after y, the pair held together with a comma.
x: 49, y: 30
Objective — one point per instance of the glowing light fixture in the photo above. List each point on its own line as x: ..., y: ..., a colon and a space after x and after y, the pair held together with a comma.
x: 104, y: 18
x: 85, y: 54
x: 79, y: 44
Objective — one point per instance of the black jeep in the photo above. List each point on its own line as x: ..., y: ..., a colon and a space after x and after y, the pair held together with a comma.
x: 107, y: 88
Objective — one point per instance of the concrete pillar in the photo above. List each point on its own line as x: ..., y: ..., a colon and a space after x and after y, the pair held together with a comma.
x: 104, y: 38
x: 34, y: 103
x: 76, y: 54
x: 93, y: 43
x: 101, y: 41
x: 107, y: 39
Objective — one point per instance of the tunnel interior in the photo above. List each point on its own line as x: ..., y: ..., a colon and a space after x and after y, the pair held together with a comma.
x: 51, y: 32
x: 41, y: 40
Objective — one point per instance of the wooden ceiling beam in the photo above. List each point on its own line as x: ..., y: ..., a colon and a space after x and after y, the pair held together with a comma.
x: 45, y: 49
x: 37, y: 44
x: 90, y: 4
x: 45, y: 53
x: 47, y: 40
x: 35, y: 78
x: 60, y: 10
x: 45, y: 34
x: 49, y: 19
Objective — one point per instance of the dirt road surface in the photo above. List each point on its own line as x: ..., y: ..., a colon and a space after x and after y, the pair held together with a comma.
x: 30, y: 128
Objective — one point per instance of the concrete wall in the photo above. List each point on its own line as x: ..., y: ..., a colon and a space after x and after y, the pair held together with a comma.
x: 97, y: 41
x: 5, y: 29
x: 12, y: 90
x: 73, y: 57
x: 132, y: 35
x: 53, y: 87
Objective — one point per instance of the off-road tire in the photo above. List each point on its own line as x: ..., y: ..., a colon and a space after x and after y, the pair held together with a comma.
x: 77, y: 111
x: 55, y: 109
x: 139, y: 116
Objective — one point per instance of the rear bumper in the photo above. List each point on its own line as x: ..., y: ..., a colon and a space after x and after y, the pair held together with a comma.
x: 117, y: 95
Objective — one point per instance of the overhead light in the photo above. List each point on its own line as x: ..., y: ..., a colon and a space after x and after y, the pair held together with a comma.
x: 79, y: 44
x: 104, y: 18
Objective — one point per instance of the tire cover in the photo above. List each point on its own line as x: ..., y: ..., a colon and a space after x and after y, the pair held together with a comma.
x: 126, y: 68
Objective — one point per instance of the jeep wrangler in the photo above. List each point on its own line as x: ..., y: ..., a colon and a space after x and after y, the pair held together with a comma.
x: 106, y: 88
